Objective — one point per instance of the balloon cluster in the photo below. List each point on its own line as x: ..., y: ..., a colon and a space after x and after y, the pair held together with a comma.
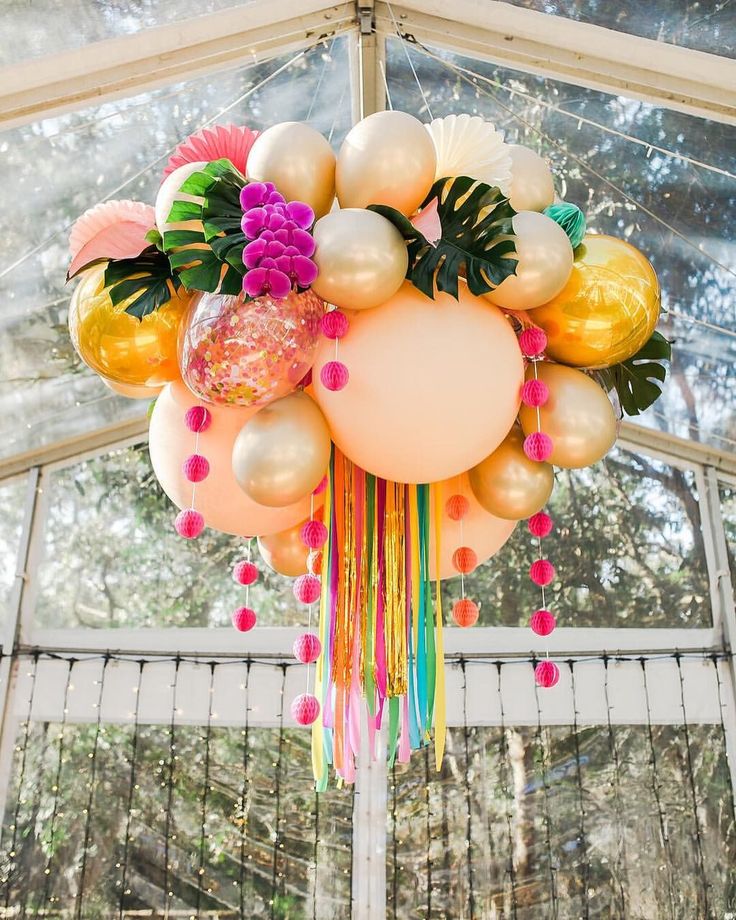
x: 419, y: 309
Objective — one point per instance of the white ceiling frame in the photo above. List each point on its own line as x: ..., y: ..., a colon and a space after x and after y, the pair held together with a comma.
x: 575, y: 52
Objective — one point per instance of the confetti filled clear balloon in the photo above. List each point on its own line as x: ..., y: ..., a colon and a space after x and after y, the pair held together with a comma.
x: 235, y: 351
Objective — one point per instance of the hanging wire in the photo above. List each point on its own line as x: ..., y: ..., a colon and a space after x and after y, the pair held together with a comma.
x: 468, y: 797
x: 277, y: 845
x: 245, y: 791
x: 410, y: 62
x: 205, y: 793
x: 543, y: 769
x: 131, y: 792
x: 510, y: 871
x: 581, y: 799
x: 21, y: 781
x: 693, y: 794
x: 428, y: 811
x: 91, y: 796
x: 170, y: 785
x: 721, y: 706
x: 617, y: 801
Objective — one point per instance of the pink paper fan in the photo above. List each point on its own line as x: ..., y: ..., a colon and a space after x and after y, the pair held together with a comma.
x: 229, y: 141
x: 110, y: 230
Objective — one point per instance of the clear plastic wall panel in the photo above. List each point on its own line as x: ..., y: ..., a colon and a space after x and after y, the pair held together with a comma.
x: 678, y: 213
x: 64, y: 165
x: 627, y: 547
x: 47, y: 27
x: 13, y: 494
x: 113, y: 559
x: 705, y: 26
x: 728, y: 509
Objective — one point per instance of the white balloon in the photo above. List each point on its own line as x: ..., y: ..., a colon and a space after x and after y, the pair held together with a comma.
x: 169, y: 193
x: 532, y: 186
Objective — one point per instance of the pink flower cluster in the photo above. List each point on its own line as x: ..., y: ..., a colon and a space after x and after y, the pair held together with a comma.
x: 278, y: 254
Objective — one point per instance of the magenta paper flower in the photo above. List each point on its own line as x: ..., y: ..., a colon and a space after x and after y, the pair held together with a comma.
x: 258, y: 194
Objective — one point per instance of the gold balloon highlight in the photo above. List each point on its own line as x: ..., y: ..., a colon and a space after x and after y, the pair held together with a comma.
x: 281, y: 454
x: 362, y: 259
x: 510, y: 485
x: 387, y: 158
x: 532, y: 186
x: 122, y: 348
x: 544, y: 263
x: 607, y: 310
x: 299, y: 161
x: 578, y: 416
x: 284, y: 552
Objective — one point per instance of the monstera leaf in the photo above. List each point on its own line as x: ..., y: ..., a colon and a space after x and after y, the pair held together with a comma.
x: 477, y: 239
x: 210, y: 258
x: 147, y: 278
x: 638, y: 380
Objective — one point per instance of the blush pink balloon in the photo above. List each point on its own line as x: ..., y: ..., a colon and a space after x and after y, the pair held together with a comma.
x: 219, y: 497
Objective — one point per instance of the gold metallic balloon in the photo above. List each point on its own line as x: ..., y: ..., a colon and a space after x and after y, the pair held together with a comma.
x: 510, y: 485
x: 281, y: 454
x: 299, y: 161
x: 361, y: 257
x: 387, y: 158
x: 284, y: 552
x: 532, y: 188
x: 607, y: 310
x: 133, y: 391
x: 544, y: 263
x: 578, y: 416
x: 120, y: 347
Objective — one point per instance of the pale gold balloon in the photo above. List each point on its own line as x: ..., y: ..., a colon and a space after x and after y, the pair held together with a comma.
x: 387, y: 158
x: 532, y: 186
x: 299, y: 161
x: 132, y: 390
x: 281, y: 454
x: 284, y: 552
x: 544, y: 264
x: 607, y: 310
x: 510, y: 485
x: 361, y: 257
x: 578, y: 416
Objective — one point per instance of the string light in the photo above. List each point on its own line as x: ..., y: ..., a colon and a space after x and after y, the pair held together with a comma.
x: 170, y: 785
x: 583, y: 839
x: 510, y: 869
x: 132, y: 787
x: 618, y: 804
x: 543, y: 769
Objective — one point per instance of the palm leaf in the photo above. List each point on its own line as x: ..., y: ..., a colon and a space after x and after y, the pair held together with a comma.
x: 638, y: 380
x: 477, y: 239
x: 150, y: 289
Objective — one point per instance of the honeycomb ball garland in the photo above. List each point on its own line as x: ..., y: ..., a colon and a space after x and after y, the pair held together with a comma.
x: 307, y: 589
x: 457, y: 507
x: 198, y: 419
x: 196, y: 468
x: 313, y: 534
x: 334, y: 376
x: 533, y: 342
x: 540, y: 525
x: 335, y: 324
x: 189, y: 524
x: 244, y: 619
x: 245, y: 572
x: 465, y: 612
x: 542, y: 622
x: 465, y: 560
x: 542, y: 572
x: 305, y: 709
x: 307, y: 648
x: 546, y: 674
x: 534, y: 393
x: 538, y: 446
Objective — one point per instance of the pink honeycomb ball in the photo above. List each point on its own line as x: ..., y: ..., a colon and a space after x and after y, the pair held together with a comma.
x: 538, y: 446
x: 532, y: 342
x: 457, y: 507
x: 196, y: 468
x: 189, y: 524
x: 307, y: 648
x: 534, y: 393
x: 465, y: 612
x: 198, y: 419
x: 245, y: 572
x: 540, y: 524
x: 244, y: 619
x: 334, y: 376
x: 546, y: 673
x: 542, y: 572
x: 542, y: 622
x: 307, y: 589
x: 335, y: 324
x: 313, y: 534
x: 305, y: 709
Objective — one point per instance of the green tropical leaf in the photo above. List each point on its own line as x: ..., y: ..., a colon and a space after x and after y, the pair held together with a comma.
x: 147, y: 278
x: 208, y: 256
x: 638, y: 380
x: 481, y: 248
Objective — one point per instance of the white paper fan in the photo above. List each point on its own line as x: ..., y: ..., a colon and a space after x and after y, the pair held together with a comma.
x: 468, y: 145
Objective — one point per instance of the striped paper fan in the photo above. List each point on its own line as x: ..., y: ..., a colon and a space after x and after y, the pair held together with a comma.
x: 229, y: 141
x: 468, y: 145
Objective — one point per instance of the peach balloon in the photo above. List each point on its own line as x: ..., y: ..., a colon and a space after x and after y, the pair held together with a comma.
x: 532, y: 186
x: 219, y: 497
x: 284, y: 552
x: 482, y: 532
x: 434, y: 385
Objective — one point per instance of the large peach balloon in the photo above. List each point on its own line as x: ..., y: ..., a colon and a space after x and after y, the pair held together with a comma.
x: 607, y: 310
x: 532, y: 187
x: 578, y: 416
x: 299, y: 161
x: 434, y: 385
x: 387, y: 158
x: 508, y: 483
x: 544, y: 263
x: 361, y: 257
x: 219, y: 498
x: 481, y: 531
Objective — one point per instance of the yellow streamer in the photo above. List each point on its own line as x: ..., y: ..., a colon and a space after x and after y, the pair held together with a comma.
x: 440, y: 717
x: 397, y: 667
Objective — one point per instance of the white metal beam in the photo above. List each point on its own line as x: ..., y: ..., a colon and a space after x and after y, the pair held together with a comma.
x: 151, y: 58
x: 574, y: 52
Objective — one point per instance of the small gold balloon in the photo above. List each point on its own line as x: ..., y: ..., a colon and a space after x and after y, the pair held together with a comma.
x: 607, y: 310
x: 299, y: 161
x: 133, y: 391
x: 387, y: 158
x: 578, y: 416
x: 120, y: 347
x: 281, y: 454
x: 361, y: 257
x: 284, y: 552
x: 510, y: 485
